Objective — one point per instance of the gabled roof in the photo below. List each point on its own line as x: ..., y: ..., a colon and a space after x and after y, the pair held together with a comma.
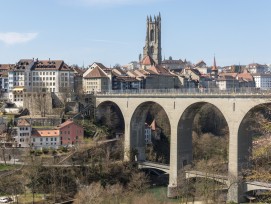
x: 200, y: 64
x: 45, y: 133
x: 96, y: 72
x: 159, y: 70
x: 59, y: 65
x: 66, y: 123
x: 6, y: 67
x: 23, y: 64
x: 245, y: 75
x: 22, y: 123
x: 148, y: 61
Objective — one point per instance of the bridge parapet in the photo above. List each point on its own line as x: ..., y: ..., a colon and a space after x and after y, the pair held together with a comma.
x: 199, y: 174
x: 153, y: 165
x: 251, y: 92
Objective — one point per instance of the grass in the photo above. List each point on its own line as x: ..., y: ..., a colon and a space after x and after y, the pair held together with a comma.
x: 7, y: 167
x: 28, y: 198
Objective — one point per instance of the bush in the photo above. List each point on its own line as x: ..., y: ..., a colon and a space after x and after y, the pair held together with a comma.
x: 38, y: 152
x: 45, y: 150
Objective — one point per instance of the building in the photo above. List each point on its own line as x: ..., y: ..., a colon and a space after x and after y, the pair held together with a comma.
x: 227, y: 81
x: 29, y: 75
x: 48, y: 139
x: 70, y: 133
x: 51, y: 76
x: 148, y: 134
x: 95, y: 79
x: 153, y: 39
x: 19, y: 80
x: 256, y: 68
x: 4, y: 82
x: 262, y: 81
x: 22, y: 133
x: 173, y: 65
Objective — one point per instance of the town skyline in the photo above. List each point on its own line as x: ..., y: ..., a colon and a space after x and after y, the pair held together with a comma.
x: 84, y: 31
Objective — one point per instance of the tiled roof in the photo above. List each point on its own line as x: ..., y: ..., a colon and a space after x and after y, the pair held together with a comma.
x: 22, y: 123
x: 96, y: 72
x: 100, y: 65
x: 6, y: 67
x: 45, y: 133
x: 68, y: 122
x: 200, y: 64
x: 51, y: 65
x: 148, y: 61
x: 159, y: 70
x: 246, y: 76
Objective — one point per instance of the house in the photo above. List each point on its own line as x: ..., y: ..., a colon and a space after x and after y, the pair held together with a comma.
x: 29, y: 75
x: 95, y: 79
x: 262, y: 81
x: 256, y: 68
x: 45, y: 139
x: 22, y: 133
x: 148, y: 134
x: 70, y: 133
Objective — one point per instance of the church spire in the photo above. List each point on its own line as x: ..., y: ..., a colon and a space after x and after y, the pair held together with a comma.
x: 214, y: 65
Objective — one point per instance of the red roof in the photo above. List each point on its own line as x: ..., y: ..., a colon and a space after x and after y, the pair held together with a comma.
x: 22, y: 123
x: 45, y: 133
x: 96, y: 72
x: 148, y: 61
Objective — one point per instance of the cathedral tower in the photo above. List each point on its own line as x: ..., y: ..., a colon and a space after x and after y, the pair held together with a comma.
x: 153, y: 39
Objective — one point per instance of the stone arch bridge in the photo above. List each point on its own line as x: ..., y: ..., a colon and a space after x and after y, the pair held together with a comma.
x: 181, y: 108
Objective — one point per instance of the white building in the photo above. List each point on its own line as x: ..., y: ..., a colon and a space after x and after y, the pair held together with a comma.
x: 29, y: 75
x: 22, y: 133
x: 51, y: 76
x: 256, y: 68
x: 95, y: 79
x: 45, y: 139
x: 262, y: 81
x: 148, y: 134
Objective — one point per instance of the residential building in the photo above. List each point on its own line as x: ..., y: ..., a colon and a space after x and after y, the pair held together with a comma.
x: 148, y: 134
x: 256, y: 68
x: 51, y: 76
x: 48, y: 139
x: 18, y: 78
x: 173, y: 65
x: 95, y: 79
x: 70, y: 133
x: 227, y: 81
x: 262, y: 81
x: 22, y: 133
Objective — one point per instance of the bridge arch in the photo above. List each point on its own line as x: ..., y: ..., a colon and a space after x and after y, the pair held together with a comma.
x: 246, y: 131
x: 185, y: 129
x: 137, y: 127
x: 110, y: 114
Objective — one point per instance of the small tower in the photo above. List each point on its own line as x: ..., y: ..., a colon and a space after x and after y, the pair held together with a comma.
x: 214, y: 72
x: 153, y: 39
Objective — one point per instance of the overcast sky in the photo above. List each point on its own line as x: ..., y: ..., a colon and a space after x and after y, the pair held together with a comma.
x: 113, y: 31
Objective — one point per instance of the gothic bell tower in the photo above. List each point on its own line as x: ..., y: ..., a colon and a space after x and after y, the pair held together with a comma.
x: 153, y: 39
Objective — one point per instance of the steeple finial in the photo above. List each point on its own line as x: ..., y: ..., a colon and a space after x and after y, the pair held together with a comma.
x: 214, y: 65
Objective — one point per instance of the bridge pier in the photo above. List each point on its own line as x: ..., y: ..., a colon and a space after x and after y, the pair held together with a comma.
x: 172, y: 191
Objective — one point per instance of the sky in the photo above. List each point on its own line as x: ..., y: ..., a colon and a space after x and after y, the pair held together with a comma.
x: 113, y: 31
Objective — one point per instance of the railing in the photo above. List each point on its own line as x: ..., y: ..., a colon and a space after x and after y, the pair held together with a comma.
x: 189, y: 91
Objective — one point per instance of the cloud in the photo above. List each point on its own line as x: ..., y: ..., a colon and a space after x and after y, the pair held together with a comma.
x: 11, y: 38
